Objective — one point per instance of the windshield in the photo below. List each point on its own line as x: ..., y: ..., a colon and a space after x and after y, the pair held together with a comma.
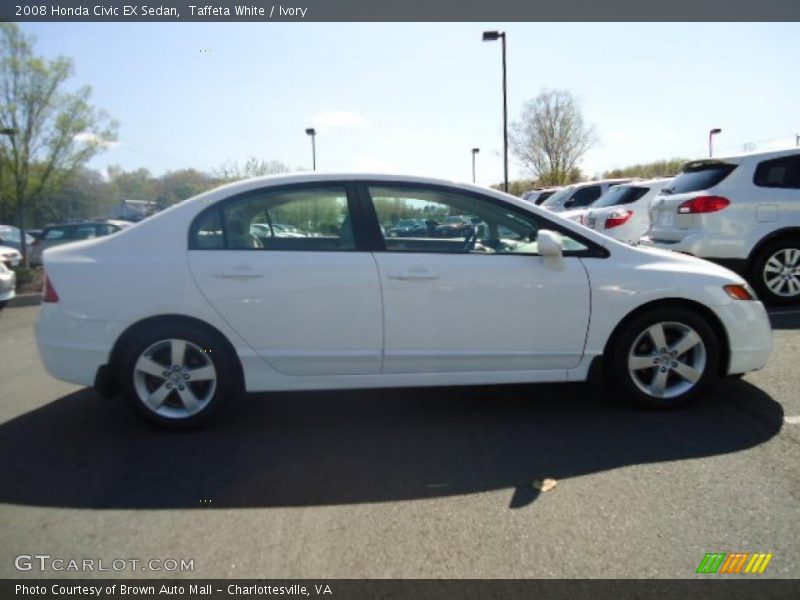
x: 555, y: 199
x: 620, y: 194
x: 699, y: 176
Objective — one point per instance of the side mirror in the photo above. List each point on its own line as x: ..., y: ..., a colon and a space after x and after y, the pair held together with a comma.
x: 549, y: 245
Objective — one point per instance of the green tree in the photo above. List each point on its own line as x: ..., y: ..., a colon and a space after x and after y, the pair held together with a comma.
x: 659, y: 168
x: 551, y: 136
x: 176, y: 186
x: 56, y: 130
x: 252, y: 167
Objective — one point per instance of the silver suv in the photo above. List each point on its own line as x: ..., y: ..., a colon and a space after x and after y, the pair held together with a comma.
x: 742, y: 212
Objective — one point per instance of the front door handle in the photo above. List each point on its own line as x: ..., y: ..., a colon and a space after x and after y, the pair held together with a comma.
x: 414, y: 274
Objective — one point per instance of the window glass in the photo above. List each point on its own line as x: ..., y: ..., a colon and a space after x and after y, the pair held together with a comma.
x: 451, y: 222
x: 297, y: 219
x: 56, y: 233
x: 584, y: 196
x: 558, y: 197
x: 699, y: 176
x: 84, y: 232
x: 106, y: 229
x: 780, y: 172
x: 621, y: 194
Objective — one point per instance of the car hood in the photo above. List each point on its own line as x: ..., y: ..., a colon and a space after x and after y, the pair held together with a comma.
x: 671, y: 260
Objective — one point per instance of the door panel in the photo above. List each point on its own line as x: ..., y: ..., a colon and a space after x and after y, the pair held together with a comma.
x: 281, y: 267
x: 470, y: 312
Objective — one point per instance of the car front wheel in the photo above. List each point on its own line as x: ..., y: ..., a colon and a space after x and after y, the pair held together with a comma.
x: 177, y: 376
x: 665, y: 358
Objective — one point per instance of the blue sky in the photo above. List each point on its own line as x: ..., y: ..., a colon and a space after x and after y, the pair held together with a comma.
x: 416, y: 97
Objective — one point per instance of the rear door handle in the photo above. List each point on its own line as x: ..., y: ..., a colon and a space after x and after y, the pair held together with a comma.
x: 414, y: 274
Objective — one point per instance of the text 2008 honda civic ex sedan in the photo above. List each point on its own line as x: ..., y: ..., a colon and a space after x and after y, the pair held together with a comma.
x: 184, y: 311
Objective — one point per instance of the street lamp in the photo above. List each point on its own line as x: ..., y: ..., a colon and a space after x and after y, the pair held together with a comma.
x: 493, y: 36
x: 474, y: 152
x: 313, y: 133
x: 711, y: 135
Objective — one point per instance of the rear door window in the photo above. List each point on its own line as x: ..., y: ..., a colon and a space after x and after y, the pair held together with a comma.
x: 779, y: 173
x: 698, y: 176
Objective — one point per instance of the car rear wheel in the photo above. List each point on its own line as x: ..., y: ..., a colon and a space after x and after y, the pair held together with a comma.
x: 776, y: 273
x: 178, y: 376
x: 665, y: 358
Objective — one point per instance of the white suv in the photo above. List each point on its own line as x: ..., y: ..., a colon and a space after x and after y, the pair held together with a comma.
x: 742, y: 212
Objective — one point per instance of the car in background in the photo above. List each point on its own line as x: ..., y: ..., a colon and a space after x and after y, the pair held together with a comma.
x: 34, y: 233
x: 55, y: 235
x: 408, y: 228
x: 10, y: 236
x: 10, y: 257
x: 742, y: 212
x: 8, y: 285
x: 539, y: 195
x: 624, y: 212
x: 454, y: 226
x: 580, y: 195
x: 534, y: 298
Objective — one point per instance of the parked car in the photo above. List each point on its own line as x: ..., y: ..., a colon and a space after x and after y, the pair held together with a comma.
x: 544, y: 299
x: 580, y: 195
x: 537, y: 196
x: 409, y: 228
x: 8, y: 285
x: 457, y: 226
x: 9, y: 256
x: 740, y: 211
x: 10, y: 236
x: 34, y: 233
x: 624, y: 212
x: 55, y: 235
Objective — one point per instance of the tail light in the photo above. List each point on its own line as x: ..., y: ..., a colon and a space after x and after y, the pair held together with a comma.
x: 703, y: 204
x: 618, y: 217
x: 50, y: 294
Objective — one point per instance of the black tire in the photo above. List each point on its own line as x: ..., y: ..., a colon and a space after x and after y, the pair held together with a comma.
x: 758, y: 273
x: 678, y: 391
x: 203, y: 347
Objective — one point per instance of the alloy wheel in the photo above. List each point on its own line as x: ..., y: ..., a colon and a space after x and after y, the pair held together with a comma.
x: 174, y: 378
x: 781, y: 273
x: 667, y: 359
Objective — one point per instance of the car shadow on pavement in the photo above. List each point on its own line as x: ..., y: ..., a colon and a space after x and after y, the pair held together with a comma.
x: 326, y: 448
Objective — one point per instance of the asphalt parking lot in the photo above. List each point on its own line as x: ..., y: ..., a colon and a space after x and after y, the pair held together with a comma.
x: 403, y: 483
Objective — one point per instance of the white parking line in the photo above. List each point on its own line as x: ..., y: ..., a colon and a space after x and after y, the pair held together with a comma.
x: 794, y: 420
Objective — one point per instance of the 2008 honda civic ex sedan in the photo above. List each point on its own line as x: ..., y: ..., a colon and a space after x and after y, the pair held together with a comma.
x: 184, y: 311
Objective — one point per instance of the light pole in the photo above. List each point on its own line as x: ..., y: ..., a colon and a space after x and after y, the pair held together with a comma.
x: 474, y: 152
x: 313, y: 133
x: 493, y: 36
x: 797, y: 139
x: 711, y: 135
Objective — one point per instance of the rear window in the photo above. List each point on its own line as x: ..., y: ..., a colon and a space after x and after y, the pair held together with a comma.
x: 699, y: 176
x: 621, y: 194
x: 780, y: 173
x: 556, y: 198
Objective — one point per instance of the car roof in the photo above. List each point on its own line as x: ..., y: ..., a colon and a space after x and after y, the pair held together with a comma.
x: 737, y: 158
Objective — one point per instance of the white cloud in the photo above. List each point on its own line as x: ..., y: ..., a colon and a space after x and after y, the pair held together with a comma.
x: 339, y: 118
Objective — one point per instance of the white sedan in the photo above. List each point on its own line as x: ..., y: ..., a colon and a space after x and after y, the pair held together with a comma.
x: 218, y: 308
